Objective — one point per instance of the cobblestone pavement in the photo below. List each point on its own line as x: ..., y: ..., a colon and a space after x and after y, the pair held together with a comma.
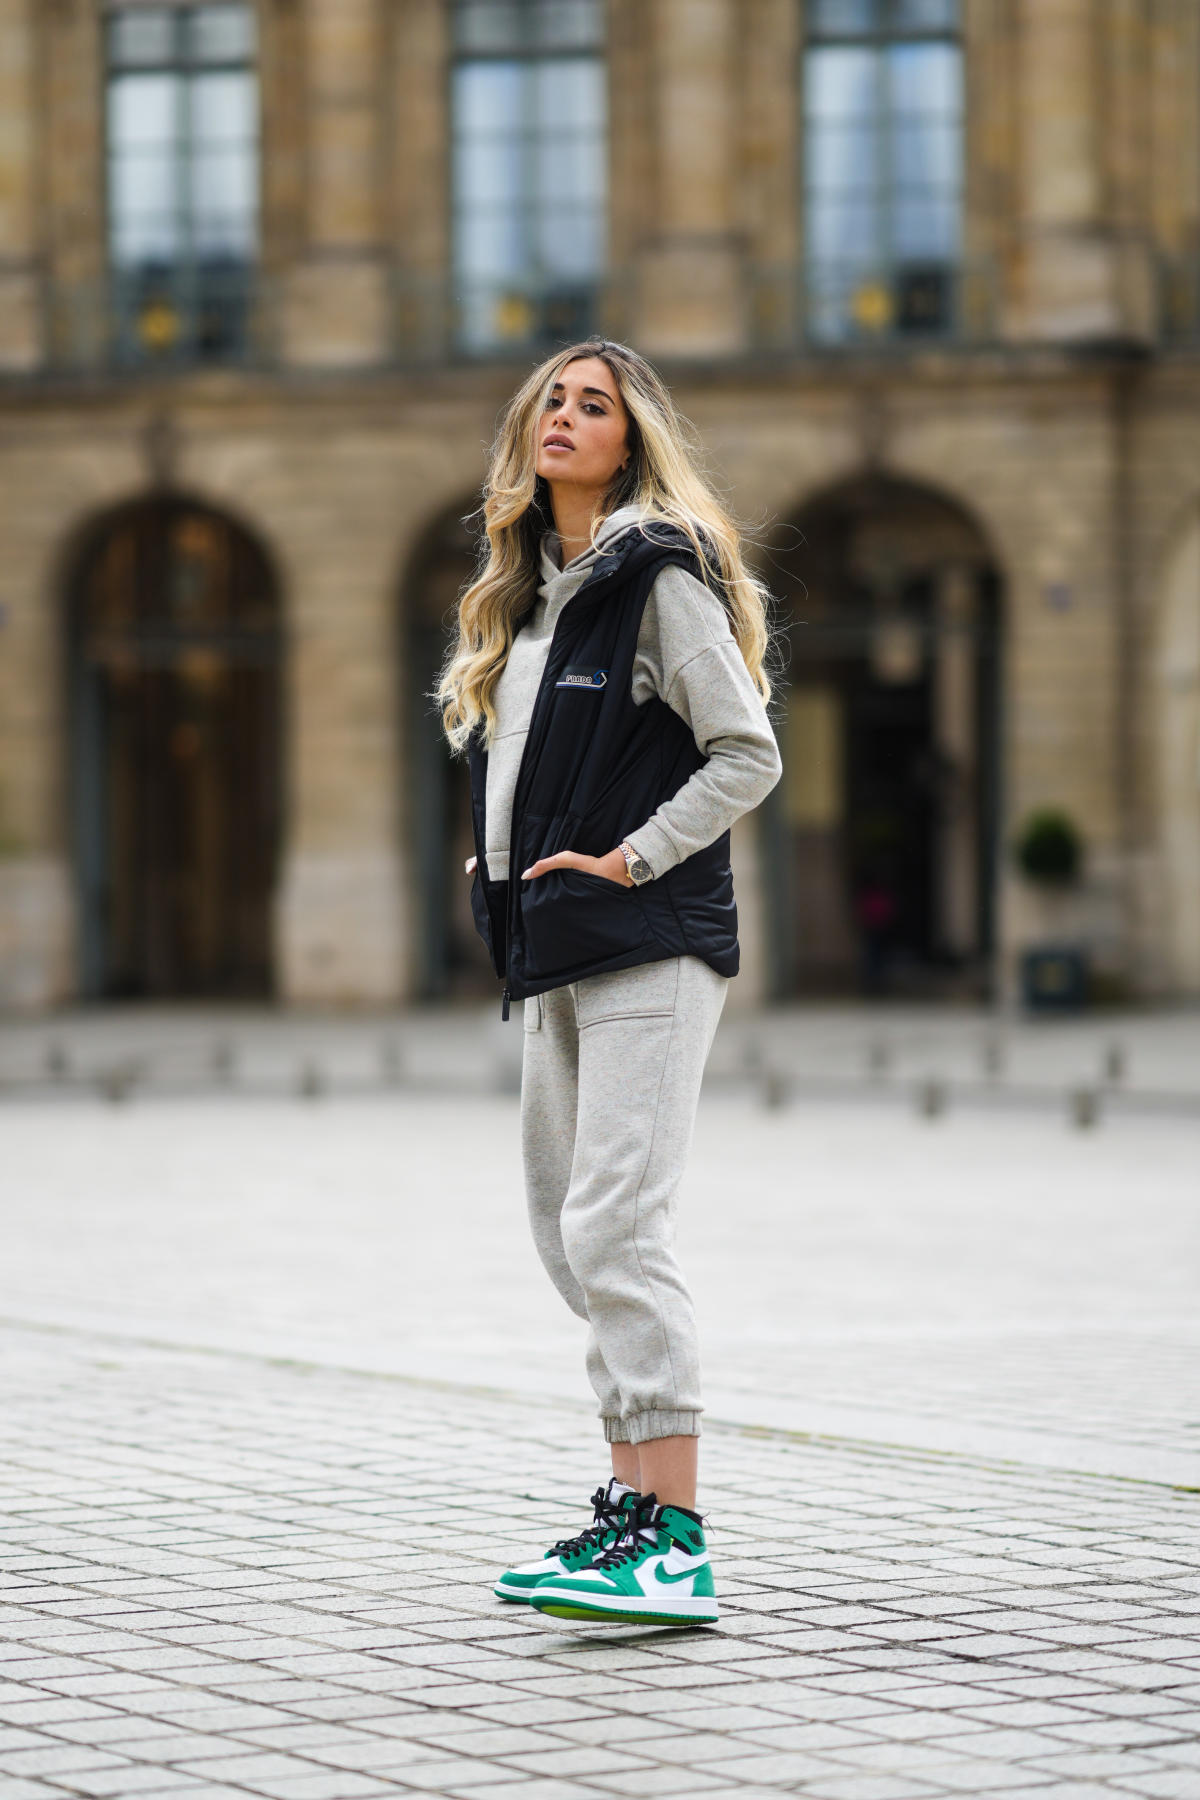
x: 226, y: 1576
x: 282, y: 1386
x: 994, y: 1285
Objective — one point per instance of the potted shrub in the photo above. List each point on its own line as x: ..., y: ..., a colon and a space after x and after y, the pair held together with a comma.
x: 1048, y: 850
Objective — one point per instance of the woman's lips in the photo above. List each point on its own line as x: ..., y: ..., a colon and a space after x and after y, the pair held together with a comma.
x: 557, y: 444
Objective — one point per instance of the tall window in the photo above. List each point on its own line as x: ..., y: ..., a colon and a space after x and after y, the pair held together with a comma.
x: 528, y: 175
x: 182, y: 130
x: 883, y: 139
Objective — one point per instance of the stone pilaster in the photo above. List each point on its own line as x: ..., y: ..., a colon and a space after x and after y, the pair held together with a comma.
x: 20, y: 297
x: 691, y: 277
x: 336, y: 300
x: 954, y: 703
x: 71, y: 183
x: 1083, y: 270
x: 418, y: 198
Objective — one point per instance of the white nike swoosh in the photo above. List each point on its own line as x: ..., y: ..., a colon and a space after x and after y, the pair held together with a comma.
x: 675, y: 1563
x: 676, y: 1560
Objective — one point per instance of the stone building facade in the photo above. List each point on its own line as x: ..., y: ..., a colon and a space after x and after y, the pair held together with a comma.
x: 235, y: 490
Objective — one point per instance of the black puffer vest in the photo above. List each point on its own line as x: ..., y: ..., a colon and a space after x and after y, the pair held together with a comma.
x: 596, y: 766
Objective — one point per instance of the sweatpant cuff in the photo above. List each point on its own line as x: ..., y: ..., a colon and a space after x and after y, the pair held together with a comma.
x: 642, y: 1428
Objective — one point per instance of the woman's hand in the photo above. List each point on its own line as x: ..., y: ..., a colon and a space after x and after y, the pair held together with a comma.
x: 612, y: 867
x: 469, y: 865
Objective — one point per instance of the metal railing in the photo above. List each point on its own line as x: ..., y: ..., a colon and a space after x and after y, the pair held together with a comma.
x: 222, y: 315
x: 156, y: 318
x: 1179, y: 298
x: 855, y: 306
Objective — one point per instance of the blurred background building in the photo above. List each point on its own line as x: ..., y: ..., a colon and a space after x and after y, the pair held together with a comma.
x: 924, y: 273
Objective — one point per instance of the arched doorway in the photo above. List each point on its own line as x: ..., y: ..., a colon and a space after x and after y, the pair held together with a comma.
x: 885, y: 821
x: 450, y: 960
x: 1176, y: 702
x: 175, y: 658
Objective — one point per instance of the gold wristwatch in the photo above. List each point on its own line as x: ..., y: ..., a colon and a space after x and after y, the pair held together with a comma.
x: 639, y: 868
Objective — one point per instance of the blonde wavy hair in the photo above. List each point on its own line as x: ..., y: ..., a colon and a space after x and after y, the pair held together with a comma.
x: 663, y: 478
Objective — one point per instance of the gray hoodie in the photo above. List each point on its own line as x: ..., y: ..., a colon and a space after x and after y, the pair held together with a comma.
x: 688, y: 656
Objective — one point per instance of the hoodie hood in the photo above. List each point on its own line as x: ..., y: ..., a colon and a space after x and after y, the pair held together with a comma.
x: 606, y: 531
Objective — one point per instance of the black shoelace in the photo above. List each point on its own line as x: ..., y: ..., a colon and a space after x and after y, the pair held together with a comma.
x: 639, y: 1519
x: 607, y: 1518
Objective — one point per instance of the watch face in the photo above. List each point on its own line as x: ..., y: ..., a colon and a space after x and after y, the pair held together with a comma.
x: 640, y: 870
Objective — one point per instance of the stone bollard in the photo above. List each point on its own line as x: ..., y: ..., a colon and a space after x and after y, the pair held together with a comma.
x: 993, y: 1059
x: 116, y: 1081
x: 879, y: 1059
x: 931, y: 1098
x: 58, y: 1063
x: 775, y: 1089
x: 391, y: 1061
x: 1085, y: 1108
x: 224, y: 1058
x: 1115, y: 1064
x: 311, y: 1084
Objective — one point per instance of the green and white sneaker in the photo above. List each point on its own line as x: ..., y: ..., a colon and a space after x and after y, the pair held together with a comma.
x: 657, y: 1573
x: 609, y: 1506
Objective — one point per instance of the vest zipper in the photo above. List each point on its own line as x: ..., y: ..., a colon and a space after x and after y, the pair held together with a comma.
x: 544, y: 687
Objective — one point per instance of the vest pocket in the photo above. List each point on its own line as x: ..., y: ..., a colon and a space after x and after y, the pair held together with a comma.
x: 572, y: 917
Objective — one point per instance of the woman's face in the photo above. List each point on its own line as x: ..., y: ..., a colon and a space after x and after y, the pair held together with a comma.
x: 582, y: 430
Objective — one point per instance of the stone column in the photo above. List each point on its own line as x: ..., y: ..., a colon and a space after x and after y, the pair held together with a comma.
x: 954, y: 720
x: 335, y: 305
x: 1082, y: 272
x: 691, y: 299
x: 20, y: 299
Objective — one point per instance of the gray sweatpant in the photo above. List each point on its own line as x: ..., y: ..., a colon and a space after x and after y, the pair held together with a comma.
x: 609, y: 1086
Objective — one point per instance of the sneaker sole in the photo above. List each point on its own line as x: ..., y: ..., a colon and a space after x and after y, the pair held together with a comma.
x: 598, y: 1613
x: 512, y: 1593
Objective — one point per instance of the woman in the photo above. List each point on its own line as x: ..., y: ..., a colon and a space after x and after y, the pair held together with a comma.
x: 608, y: 687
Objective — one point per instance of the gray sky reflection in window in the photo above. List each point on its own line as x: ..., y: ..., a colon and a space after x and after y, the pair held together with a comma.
x: 182, y: 130
x: 883, y: 147
x: 528, y: 160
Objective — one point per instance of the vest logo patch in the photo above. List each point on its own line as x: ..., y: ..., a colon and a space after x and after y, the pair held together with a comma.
x: 579, y: 675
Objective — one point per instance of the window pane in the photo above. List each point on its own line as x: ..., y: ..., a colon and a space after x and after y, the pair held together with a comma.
x: 223, y: 237
x: 143, y: 111
x: 925, y: 78
x: 490, y: 243
x: 140, y: 187
x: 141, y: 35
x: 569, y: 169
x: 568, y: 241
x: 844, y: 232
x: 567, y: 24
x: 146, y: 238
x: 568, y: 94
x: 924, y: 153
x: 223, y: 184
x: 488, y: 99
x: 841, y: 84
x: 505, y: 26
x: 224, y: 109
x: 842, y: 18
x: 221, y: 34
x: 924, y: 15
x: 488, y: 174
x: 488, y: 25
x: 841, y: 157
x: 925, y: 225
